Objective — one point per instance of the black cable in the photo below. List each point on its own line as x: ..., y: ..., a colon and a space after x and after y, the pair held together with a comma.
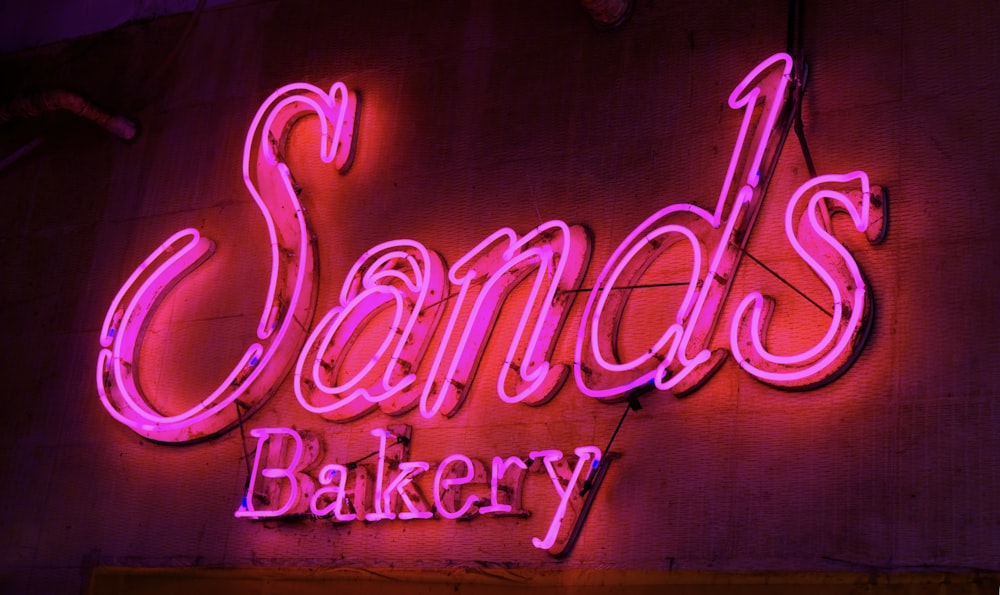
x: 796, y: 50
x: 785, y: 281
x: 794, y: 41
x: 354, y: 464
x: 643, y: 286
x: 633, y: 403
x: 685, y: 283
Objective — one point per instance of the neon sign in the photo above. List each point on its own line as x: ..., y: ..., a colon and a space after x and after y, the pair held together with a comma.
x: 396, y: 294
x: 462, y: 488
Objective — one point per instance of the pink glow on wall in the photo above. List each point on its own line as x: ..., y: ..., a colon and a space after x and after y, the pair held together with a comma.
x: 288, y: 306
x: 369, y: 352
x: 403, y: 284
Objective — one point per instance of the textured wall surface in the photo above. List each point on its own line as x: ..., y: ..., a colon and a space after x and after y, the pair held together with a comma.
x: 481, y: 116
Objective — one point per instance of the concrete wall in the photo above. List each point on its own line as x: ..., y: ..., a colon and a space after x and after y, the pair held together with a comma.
x: 475, y: 117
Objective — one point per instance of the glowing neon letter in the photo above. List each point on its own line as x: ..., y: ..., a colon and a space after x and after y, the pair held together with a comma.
x: 288, y: 307
x: 680, y: 360
x: 400, y: 485
x: 832, y: 263
x: 445, y: 479
x: 382, y: 509
x: 403, y: 276
x: 558, y: 255
x: 276, y: 453
x: 585, y: 454
x: 339, y: 493
x: 511, y: 489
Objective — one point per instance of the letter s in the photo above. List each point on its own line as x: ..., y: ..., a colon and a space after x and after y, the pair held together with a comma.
x: 290, y: 301
x: 836, y: 267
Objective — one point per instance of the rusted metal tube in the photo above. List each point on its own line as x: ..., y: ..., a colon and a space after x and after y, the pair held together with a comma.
x: 31, y: 106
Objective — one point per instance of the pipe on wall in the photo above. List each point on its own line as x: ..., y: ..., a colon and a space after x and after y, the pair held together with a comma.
x: 31, y: 106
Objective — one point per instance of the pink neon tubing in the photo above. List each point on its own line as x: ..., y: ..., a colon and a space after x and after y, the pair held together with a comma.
x: 326, y: 479
x: 263, y: 435
x: 443, y: 484
x: 124, y: 401
x: 462, y: 274
x: 498, y: 469
x: 548, y: 457
x: 802, y: 369
x: 678, y: 334
x: 380, y: 266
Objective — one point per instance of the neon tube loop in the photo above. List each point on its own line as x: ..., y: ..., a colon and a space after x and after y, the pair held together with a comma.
x: 407, y: 281
x: 289, y: 305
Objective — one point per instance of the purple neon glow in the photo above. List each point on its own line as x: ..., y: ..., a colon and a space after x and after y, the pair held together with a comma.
x: 402, y: 276
x: 557, y: 254
x: 405, y: 280
x: 499, y: 468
